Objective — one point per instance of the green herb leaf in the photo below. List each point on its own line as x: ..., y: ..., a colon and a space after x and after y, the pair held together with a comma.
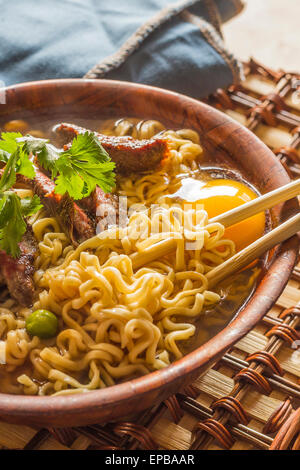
x: 4, y: 156
x: 88, y: 146
x: 46, y: 153
x: 16, y: 158
x: 30, y: 205
x: 24, y: 165
x: 33, y: 144
x: 48, y: 157
x: 69, y: 181
x: 8, y: 178
x: 83, y: 166
x: 12, y: 223
x: 9, y: 141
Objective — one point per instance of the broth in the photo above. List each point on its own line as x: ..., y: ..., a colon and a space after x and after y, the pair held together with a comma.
x: 234, y: 292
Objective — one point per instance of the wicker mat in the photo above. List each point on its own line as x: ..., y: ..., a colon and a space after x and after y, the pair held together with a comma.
x: 249, y: 400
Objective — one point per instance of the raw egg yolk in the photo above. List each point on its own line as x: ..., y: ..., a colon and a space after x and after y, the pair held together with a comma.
x: 219, y: 196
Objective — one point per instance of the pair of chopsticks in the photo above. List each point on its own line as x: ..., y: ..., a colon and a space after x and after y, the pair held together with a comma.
x: 244, y: 257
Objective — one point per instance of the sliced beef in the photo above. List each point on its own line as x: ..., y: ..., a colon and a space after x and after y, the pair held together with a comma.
x: 102, y: 207
x: 17, y: 273
x: 74, y: 221
x: 130, y: 155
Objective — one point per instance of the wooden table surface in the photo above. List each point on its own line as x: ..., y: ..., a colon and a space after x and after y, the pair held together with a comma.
x: 267, y: 30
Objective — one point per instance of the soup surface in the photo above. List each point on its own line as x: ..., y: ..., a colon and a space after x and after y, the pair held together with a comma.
x: 114, y: 312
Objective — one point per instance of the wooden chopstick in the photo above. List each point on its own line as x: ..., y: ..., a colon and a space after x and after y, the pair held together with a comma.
x: 244, y: 257
x: 260, y: 204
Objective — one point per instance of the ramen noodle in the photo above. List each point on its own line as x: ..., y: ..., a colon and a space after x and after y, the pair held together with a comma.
x: 117, y: 321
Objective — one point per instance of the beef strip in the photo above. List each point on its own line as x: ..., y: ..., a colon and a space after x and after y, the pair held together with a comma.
x: 102, y: 207
x: 130, y: 155
x: 74, y: 221
x: 18, y: 272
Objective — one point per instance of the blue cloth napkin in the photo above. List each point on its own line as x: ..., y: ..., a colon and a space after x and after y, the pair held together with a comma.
x: 174, y: 45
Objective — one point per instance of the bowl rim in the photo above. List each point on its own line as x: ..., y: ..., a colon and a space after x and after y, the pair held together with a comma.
x: 248, y: 317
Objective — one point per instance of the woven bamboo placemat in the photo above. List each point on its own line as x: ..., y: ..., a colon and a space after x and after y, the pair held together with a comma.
x: 251, y: 398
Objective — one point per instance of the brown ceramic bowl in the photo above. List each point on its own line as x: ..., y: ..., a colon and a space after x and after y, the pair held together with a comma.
x: 229, y: 142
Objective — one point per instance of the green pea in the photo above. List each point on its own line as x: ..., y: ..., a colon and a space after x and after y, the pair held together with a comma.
x: 42, y: 323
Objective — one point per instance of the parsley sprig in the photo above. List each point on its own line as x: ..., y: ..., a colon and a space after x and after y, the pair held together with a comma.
x: 79, y: 169
x: 75, y: 171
